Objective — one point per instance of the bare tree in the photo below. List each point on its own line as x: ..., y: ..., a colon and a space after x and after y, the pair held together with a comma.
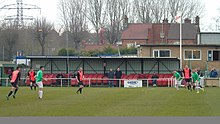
x: 185, y: 8
x: 41, y: 28
x: 117, y: 10
x: 74, y: 19
x: 158, y: 10
x: 148, y: 11
x: 97, y: 14
x: 214, y: 23
x: 9, y: 37
x: 143, y: 11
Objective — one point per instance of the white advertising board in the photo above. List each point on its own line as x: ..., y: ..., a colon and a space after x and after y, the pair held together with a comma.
x: 132, y: 83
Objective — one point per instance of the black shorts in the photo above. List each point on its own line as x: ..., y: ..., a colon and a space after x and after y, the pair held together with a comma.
x: 188, y: 80
x: 33, y: 81
x: 80, y: 83
x: 14, y: 84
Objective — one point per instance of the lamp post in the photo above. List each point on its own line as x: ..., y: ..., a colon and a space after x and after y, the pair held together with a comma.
x: 177, y: 18
x: 67, y: 52
x: 3, y: 52
x: 181, y: 42
x: 40, y: 30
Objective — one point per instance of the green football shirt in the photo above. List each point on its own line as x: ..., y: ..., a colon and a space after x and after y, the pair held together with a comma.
x: 177, y: 76
x: 39, y: 76
x: 195, y: 77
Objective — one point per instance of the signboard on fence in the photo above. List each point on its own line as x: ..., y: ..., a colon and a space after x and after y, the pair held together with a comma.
x: 132, y: 83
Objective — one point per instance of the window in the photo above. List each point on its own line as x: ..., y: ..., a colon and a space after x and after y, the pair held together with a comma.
x: 129, y: 45
x: 161, y: 53
x: 192, y: 54
x: 213, y: 55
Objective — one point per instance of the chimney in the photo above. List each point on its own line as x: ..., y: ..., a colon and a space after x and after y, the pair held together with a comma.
x: 187, y: 20
x: 165, y: 20
x: 197, y: 20
x: 197, y: 23
x: 125, y: 25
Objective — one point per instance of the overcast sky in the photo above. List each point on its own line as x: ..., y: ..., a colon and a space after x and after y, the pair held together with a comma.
x: 49, y: 10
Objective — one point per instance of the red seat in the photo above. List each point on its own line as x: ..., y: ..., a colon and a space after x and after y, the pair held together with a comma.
x: 45, y: 76
x: 86, y: 79
x: 123, y: 77
x: 148, y: 76
x: 165, y: 82
x: 160, y: 75
x: 141, y: 76
x: 93, y: 78
x: 130, y: 76
x: 105, y: 80
x: 134, y: 76
x: 73, y: 82
x: 159, y: 82
x: 99, y: 78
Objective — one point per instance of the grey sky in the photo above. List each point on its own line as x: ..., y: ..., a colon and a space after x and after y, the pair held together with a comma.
x: 49, y: 10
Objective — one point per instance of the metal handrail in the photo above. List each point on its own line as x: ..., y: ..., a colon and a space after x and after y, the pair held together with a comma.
x: 170, y: 80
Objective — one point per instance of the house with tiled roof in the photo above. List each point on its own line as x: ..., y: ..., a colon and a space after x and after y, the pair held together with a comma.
x: 160, y: 33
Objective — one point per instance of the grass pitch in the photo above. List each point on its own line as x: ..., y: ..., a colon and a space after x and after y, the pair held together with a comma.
x: 111, y: 102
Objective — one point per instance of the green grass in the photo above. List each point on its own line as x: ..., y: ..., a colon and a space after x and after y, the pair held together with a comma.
x: 111, y: 102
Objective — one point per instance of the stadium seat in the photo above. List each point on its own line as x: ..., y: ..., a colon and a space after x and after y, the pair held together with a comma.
x: 73, y: 82
x: 135, y: 77
x: 105, y: 80
x: 86, y: 79
x: 45, y: 76
x: 99, y: 78
x: 160, y: 82
x: 161, y: 75
x: 93, y: 79
x: 141, y: 76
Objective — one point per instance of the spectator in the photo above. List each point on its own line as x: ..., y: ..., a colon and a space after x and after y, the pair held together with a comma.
x: 118, y: 75
x: 154, y: 79
x: 111, y: 76
x: 213, y: 73
x: 59, y: 78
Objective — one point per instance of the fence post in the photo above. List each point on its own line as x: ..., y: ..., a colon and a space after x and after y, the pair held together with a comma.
x: 61, y: 83
x: 6, y: 82
x: 219, y: 82
x: 171, y: 81
x: 147, y: 83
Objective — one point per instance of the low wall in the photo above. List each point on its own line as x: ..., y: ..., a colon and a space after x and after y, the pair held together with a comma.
x: 212, y: 82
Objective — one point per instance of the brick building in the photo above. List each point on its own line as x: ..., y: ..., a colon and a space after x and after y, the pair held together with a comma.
x: 160, y: 33
x: 203, y: 56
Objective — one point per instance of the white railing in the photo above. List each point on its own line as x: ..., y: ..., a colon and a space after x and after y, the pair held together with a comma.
x: 101, y: 82
x: 88, y: 81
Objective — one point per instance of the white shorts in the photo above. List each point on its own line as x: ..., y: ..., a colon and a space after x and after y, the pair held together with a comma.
x: 202, y: 81
x: 40, y: 84
x: 178, y: 83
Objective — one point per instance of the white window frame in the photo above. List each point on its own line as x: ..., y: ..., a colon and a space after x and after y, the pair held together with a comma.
x: 129, y: 45
x: 159, y: 52
x: 212, y: 50
x: 192, y: 53
x: 208, y: 55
